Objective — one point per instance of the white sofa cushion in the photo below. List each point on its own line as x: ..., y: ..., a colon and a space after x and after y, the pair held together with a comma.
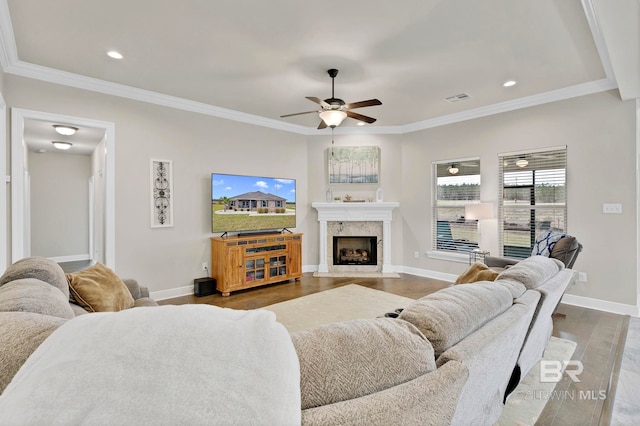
x: 532, y: 271
x: 351, y: 359
x: 449, y: 315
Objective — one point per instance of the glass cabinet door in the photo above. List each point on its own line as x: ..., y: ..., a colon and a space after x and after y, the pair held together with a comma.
x: 277, y: 266
x: 254, y: 269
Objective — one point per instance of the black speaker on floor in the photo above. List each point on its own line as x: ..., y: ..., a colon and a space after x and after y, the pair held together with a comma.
x: 204, y: 286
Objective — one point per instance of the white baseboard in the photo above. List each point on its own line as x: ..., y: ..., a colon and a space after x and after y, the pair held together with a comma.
x: 188, y: 289
x: 71, y: 258
x: 601, y: 305
x: 171, y: 293
x: 426, y: 273
x: 569, y: 299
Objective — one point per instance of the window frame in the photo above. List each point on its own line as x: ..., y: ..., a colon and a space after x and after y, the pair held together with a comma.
x: 535, y: 225
x: 448, y: 245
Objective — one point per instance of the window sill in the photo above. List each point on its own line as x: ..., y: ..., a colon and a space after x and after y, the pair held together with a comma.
x: 451, y: 257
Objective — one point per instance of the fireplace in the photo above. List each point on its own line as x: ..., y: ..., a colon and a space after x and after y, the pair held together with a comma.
x: 355, y: 250
x: 355, y: 220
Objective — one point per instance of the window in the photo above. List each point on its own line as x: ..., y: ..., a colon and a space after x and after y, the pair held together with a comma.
x: 456, y: 184
x: 533, y: 198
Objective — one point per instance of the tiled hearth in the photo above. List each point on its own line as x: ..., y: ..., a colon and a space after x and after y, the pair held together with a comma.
x: 355, y: 219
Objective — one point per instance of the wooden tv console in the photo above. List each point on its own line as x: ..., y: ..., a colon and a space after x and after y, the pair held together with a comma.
x: 251, y: 261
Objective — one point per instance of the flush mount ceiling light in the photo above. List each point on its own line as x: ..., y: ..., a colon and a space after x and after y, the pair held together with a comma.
x: 509, y: 83
x: 522, y: 162
x: 61, y: 144
x: 114, y: 54
x: 333, y: 118
x: 453, y: 169
x: 65, y: 130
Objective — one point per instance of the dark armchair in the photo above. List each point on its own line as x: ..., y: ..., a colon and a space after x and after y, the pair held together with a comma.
x: 566, y: 250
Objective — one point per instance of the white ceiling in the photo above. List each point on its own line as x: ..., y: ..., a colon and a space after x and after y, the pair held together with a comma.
x: 39, y: 135
x: 256, y: 60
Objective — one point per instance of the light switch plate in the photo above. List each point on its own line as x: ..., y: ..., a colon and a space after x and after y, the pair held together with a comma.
x: 612, y: 208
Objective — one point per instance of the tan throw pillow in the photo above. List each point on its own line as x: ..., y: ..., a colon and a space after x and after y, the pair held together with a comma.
x: 99, y: 289
x: 477, y: 272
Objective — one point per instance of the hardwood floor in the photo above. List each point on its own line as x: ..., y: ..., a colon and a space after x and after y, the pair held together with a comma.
x: 599, y: 337
x: 407, y: 286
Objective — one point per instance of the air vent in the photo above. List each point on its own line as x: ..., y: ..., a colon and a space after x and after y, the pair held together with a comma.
x: 458, y: 98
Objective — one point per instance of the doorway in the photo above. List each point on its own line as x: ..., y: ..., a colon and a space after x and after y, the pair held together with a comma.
x: 31, y: 133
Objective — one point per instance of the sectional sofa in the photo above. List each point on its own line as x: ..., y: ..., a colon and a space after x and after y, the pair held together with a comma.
x: 450, y: 357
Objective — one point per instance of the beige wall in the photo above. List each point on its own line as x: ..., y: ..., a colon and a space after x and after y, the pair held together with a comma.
x: 390, y: 158
x: 599, y: 131
x: 59, y: 204
x: 166, y: 258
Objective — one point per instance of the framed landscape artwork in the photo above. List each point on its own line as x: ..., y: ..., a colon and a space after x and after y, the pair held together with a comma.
x: 354, y: 164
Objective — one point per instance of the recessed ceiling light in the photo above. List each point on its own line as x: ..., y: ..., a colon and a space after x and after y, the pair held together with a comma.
x: 115, y: 55
x: 65, y: 130
x: 509, y: 83
x: 61, y: 144
x: 360, y: 123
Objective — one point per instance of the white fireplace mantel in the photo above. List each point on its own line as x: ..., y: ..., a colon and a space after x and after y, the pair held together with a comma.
x: 361, y: 212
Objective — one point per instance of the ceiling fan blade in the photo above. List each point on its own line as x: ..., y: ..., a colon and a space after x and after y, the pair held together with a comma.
x: 318, y: 101
x: 322, y: 125
x: 362, y: 104
x: 297, y: 113
x: 360, y: 117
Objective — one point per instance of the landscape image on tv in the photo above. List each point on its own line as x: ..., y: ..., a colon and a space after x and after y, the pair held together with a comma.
x: 252, y: 203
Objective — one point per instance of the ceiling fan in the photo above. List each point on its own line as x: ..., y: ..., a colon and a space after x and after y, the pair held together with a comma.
x: 335, y: 110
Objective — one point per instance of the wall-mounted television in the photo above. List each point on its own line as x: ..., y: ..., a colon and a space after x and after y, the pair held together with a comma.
x: 242, y: 203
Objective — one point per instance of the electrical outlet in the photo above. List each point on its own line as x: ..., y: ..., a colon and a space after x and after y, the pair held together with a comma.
x: 205, y: 266
x: 582, y: 277
x: 416, y: 254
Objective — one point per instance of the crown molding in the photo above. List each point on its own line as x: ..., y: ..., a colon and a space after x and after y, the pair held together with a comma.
x: 65, y: 78
x: 8, y: 50
x: 12, y: 65
x: 598, y: 37
x: 528, y: 101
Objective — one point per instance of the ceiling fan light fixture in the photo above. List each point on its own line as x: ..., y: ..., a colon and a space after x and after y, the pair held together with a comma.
x: 522, y: 162
x: 65, y: 130
x: 62, y: 145
x: 333, y: 118
x: 453, y: 169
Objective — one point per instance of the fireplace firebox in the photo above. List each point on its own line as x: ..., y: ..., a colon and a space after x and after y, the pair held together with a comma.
x: 355, y: 250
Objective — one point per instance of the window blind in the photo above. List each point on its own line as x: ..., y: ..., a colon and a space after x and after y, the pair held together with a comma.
x: 455, y: 184
x: 532, y: 199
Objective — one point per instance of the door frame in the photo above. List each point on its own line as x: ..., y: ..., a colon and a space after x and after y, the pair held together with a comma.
x: 20, y: 211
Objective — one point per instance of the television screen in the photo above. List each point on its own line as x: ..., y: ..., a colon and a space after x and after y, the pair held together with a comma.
x: 252, y: 203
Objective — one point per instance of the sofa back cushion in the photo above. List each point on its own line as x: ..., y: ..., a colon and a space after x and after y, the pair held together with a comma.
x: 532, y: 271
x: 516, y: 288
x: 449, y: 315
x: 32, y: 295
x: 351, y: 359
x: 39, y: 268
x: 20, y: 334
